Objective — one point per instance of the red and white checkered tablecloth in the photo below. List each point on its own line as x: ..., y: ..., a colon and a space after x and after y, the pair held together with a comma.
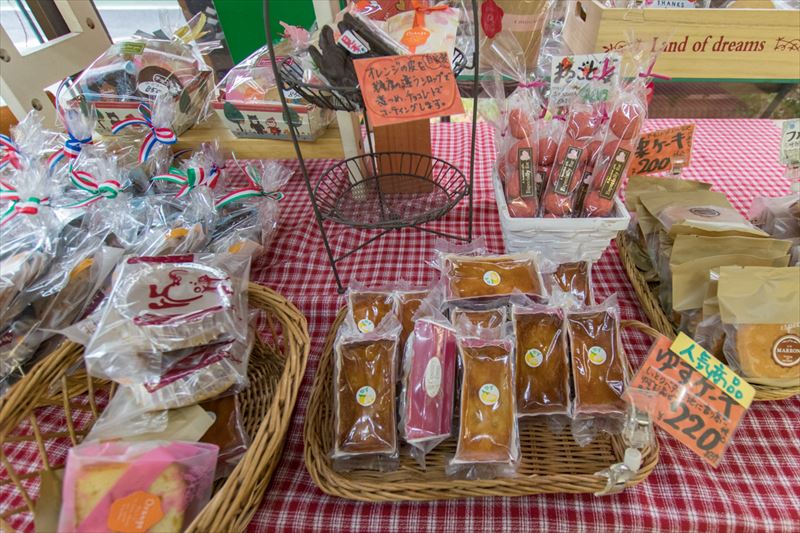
x: 757, y: 485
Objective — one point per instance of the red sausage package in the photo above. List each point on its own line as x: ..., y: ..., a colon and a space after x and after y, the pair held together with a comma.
x: 518, y: 126
x: 625, y: 121
x: 576, y: 147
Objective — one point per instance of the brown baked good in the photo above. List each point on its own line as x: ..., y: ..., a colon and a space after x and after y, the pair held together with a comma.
x: 368, y: 309
x: 365, y: 391
x: 408, y: 304
x: 501, y: 275
x: 542, y: 363
x: 598, y: 363
x: 487, y: 427
x: 768, y: 351
x: 573, y: 278
x: 479, y: 323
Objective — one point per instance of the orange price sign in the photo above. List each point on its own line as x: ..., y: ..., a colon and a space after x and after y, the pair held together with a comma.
x: 400, y: 89
x: 700, y: 408
x: 658, y: 150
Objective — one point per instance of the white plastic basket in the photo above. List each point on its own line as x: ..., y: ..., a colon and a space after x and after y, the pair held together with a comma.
x: 559, y: 239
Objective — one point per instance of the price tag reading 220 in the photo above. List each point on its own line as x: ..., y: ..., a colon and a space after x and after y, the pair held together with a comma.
x: 691, y: 395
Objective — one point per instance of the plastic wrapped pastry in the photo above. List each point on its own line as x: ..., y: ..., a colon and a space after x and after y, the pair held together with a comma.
x: 201, y: 374
x: 469, y: 276
x: 487, y: 425
x: 161, y: 304
x: 227, y: 432
x: 408, y: 303
x: 369, y: 308
x: 149, y: 486
x: 364, y: 400
x: 599, y: 367
x: 575, y: 279
x: 761, y: 318
x: 429, y: 377
x: 542, y: 366
x: 476, y: 322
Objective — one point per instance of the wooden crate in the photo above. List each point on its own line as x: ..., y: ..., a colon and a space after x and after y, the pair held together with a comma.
x: 718, y: 44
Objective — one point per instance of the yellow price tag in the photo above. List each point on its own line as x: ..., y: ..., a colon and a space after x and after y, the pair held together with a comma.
x: 713, y: 369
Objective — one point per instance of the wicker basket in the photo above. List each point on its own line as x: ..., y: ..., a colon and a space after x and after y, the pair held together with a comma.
x: 550, y: 462
x: 275, y: 371
x: 659, y: 320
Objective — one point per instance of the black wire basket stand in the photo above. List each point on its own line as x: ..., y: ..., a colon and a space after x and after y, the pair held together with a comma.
x: 362, y: 192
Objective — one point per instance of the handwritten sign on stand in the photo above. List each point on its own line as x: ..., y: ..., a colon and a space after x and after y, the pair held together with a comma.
x: 660, y: 150
x: 691, y: 395
x: 400, y: 89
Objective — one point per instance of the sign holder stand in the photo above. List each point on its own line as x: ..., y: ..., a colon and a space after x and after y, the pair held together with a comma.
x: 360, y: 191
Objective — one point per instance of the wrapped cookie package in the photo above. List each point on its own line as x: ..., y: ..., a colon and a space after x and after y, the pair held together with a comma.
x: 167, y: 303
x: 116, y: 485
x: 761, y: 319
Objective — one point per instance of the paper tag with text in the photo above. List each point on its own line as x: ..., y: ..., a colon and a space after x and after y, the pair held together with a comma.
x: 573, y: 74
x: 659, y: 150
x: 684, y: 401
x: 400, y: 89
x: 353, y: 43
x: 790, y: 142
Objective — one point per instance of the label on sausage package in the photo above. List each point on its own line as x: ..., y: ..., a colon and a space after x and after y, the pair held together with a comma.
x: 527, y: 183
x: 567, y: 170
x: 614, y: 173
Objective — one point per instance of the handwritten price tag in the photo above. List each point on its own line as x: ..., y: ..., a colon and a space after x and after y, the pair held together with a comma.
x: 658, y: 150
x: 406, y: 88
x: 790, y: 142
x: 701, y: 407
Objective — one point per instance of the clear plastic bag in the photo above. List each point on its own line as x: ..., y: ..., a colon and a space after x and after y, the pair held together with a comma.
x: 542, y: 361
x: 490, y: 276
x: 161, y: 304
x: 488, y: 437
x: 28, y: 147
x: 575, y: 280
x: 476, y: 320
x: 57, y: 299
x: 118, y: 485
x: 139, y: 69
x: 227, y: 432
x: 429, y: 370
x: 599, y: 366
x: 201, y: 374
x: 365, y: 376
x: 371, y: 309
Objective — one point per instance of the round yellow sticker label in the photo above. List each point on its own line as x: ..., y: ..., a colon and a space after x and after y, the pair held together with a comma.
x: 365, y: 325
x: 489, y: 394
x: 533, y: 357
x: 491, y: 278
x: 597, y: 355
x: 365, y: 396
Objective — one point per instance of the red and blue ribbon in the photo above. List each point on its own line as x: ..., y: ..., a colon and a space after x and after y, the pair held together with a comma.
x: 97, y: 189
x: 30, y: 206
x: 10, y: 153
x: 70, y: 151
x: 155, y: 135
x: 190, y: 178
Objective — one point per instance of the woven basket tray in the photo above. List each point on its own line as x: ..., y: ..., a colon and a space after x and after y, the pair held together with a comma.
x: 275, y: 371
x: 659, y: 320
x: 550, y: 462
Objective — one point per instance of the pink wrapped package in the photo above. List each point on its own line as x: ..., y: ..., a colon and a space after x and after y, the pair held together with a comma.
x: 429, y: 377
x: 145, y: 486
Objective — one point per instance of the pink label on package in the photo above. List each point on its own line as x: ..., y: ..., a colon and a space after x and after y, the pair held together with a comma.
x: 429, y: 392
